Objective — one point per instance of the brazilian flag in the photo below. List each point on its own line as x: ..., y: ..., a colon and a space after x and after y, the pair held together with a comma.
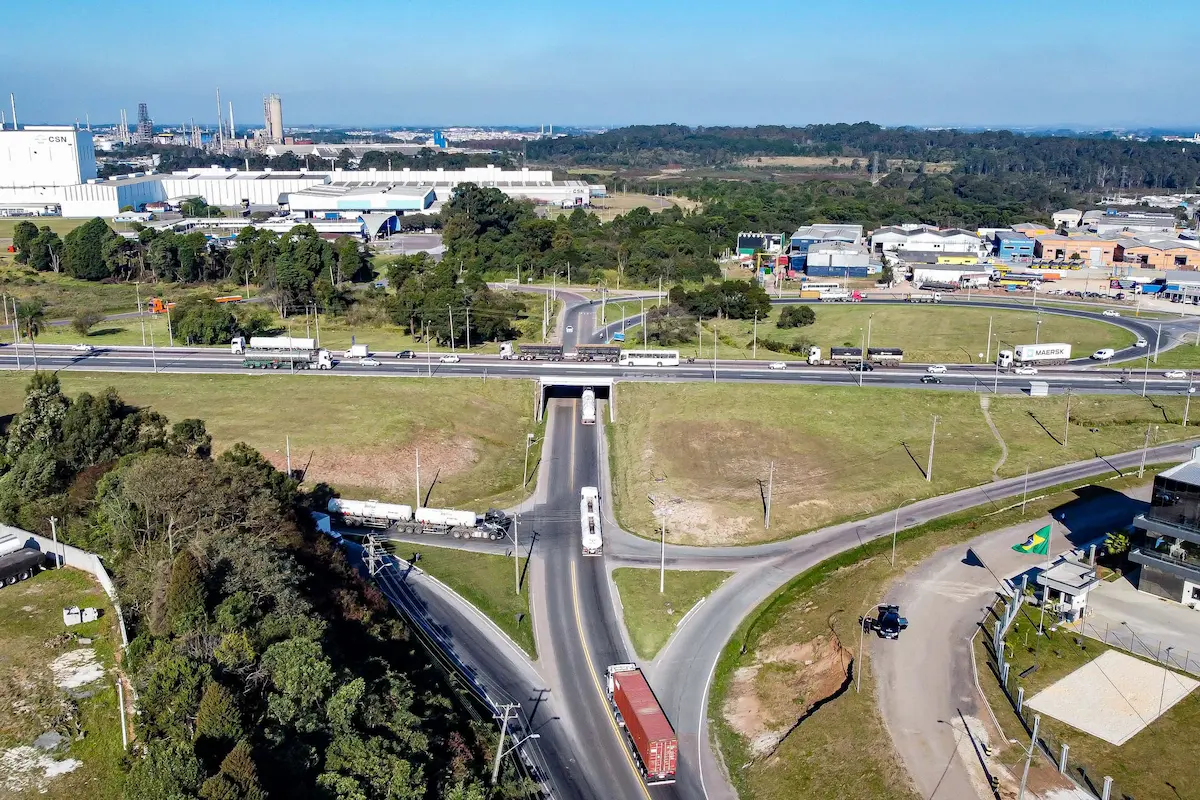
x: 1037, y: 543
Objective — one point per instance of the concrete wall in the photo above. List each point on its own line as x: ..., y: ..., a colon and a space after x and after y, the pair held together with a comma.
x: 66, y: 555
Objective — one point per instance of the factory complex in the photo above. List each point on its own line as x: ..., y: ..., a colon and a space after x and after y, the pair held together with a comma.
x: 51, y: 171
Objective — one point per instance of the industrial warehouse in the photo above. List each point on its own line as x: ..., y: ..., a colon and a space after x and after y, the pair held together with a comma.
x: 52, y: 171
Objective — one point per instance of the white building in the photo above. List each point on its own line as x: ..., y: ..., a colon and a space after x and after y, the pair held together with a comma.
x: 46, y: 155
x: 838, y: 255
x: 1113, y: 221
x: 1070, y: 217
x: 926, y: 239
x: 959, y: 274
x: 231, y: 188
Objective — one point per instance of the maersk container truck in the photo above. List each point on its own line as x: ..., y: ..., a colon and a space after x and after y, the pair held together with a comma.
x: 1034, y: 355
x: 638, y: 712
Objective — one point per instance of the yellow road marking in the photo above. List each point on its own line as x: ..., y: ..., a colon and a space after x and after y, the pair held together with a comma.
x: 599, y: 689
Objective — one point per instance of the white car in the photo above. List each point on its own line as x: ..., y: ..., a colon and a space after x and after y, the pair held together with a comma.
x: 1112, y: 313
x: 368, y: 362
x: 1141, y: 343
x: 777, y: 365
x: 1104, y: 354
x: 570, y: 329
x: 83, y: 348
x: 1175, y: 373
x: 1025, y: 371
x: 936, y: 369
x: 449, y: 359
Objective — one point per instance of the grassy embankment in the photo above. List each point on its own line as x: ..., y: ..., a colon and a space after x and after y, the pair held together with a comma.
x: 651, y: 617
x: 841, y: 452
x: 484, y: 580
x: 1163, y: 754
x: 617, y: 203
x: 843, y: 751
x: 32, y: 635
x: 359, y: 435
x: 925, y: 333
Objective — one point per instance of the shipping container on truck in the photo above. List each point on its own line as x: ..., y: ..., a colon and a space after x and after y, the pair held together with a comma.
x: 405, y: 519
x: 638, y: 712
x: 810, y: 294
x: 885, y: 355
x: 531, y: 352
x: 845, y: 355
x: 592, y: 540
x: 1035, y: 355
x: 598, y: 352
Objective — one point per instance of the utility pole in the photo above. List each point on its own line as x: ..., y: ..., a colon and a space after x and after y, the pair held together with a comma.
x: 287, y: 445
x: 1037, y: 328
x: 1067, y: 427
x: 867, y: 346
x: 468, y: 329
x: 645, y: 328
x: 1037, y: 720
x: 1025, y: 491
x: 754, y: 347
x: 932, y: 440
x: 1188, y: 402
x: 988, y: 356
x: 170, y: 330
x: 1146, y: 372
x: 1157, y: 340
x: 451, y: 309
x: 429, y: 355
x: 16, y: 334
x: 517, y: 555
x: 54, y: 534
x: 770, y: 492
x: 137, y: 291
x: 662, y: 556
x: 862, y: 360
x: 418, y: 505
x: 1145, y: 448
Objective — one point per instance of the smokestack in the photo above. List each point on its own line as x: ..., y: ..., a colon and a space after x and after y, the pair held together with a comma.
x: 232, y: 133
x: 220, y: 123
x: 12, y: 99
x: 88, y: 117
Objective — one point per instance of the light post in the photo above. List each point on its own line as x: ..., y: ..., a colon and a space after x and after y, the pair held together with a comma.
x: 530, y: 441
x: 1037, y: 720
x: 1188, y: 402
x: 896, y: 524
x: 1037, y: 330
x: 1163, y: 692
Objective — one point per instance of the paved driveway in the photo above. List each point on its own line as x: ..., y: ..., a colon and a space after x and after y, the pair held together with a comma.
x: 1144, y: 623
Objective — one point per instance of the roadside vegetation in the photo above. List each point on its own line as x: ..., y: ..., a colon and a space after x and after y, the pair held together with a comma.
x: 705, y: 451
x: 762, y: 685
x: 359, y: 436
x: 60, y: 680
x: 650, y: 616
x: 485, y: 580
x: 259, y: 656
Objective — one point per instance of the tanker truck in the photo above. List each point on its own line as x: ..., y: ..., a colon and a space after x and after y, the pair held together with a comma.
x: 405, y: 519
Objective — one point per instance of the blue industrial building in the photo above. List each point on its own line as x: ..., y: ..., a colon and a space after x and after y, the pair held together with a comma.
x: 1012, y: 246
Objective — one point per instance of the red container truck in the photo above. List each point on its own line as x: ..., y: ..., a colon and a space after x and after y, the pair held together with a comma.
x: 646, y: 726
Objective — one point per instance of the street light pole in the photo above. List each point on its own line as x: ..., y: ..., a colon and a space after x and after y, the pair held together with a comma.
x: 517, y: 554
x: 896, y: 525
x: 662, y: 556
x: 1163, y: 693
x: 932, y: 440
x: 1188, y: 402
x: 1037, y: 721
x: 988, y: 355
x: 528, y: 444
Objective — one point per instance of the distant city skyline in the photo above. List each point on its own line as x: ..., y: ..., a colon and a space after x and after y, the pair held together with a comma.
x: 932, y: 63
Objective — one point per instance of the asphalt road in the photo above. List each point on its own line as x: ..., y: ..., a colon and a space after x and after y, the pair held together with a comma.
x: 924, y: 678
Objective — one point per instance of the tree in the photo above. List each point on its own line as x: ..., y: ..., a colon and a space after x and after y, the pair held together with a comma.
x: 186, y: 595
x: 24, y: 232
x: 796, y: 317
x: 46, y: 251
x: 84, y: 321
x: 345, y: 159
x: 1116, y: 543
x: 351, y: 262
x: 301, y: 676
x: 31, y: 314
x: 84, y: 250
x: 169, y: 771
x: 202, y: 320
x: 238, y: 778
x: 218, y: 719
x: 190, y: 439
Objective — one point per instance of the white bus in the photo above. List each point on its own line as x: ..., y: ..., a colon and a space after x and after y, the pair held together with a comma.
x: 649, y: 358
x: 822, y: 286
x: 589, y: 407
x: 589, y: 521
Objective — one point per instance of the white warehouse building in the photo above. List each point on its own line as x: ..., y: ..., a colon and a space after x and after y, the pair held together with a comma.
x: 925, y: 237
x: 46, y: 155
x: 339, y: 190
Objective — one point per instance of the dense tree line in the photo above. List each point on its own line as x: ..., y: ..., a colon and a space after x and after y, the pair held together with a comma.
x: 1093, y: 163
x: 490, y: 234
x: 264, y: 666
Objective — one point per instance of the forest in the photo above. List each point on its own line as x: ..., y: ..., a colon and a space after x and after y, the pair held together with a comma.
x: 1078, y: 162
x: 263, y: 665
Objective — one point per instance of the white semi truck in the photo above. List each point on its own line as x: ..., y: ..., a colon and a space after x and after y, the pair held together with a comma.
x: 589, y: 520
x: 406, y: 519
x: 1034, y: 355
x: 588, y: 412
x: 281, y: 352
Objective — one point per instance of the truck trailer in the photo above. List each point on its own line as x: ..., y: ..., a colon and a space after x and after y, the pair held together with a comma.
x: 405, y: 519
x: 598, y: 352
x: 933, y: 297
x: 274, y: 344
x: 531, y: 352
x: 297, y: 359
x: 638, y: 713
x: 589, y: 521
x: 588, y: 407
x: 1034, y: 355
x: 357, y: 351
x: 20, y: 565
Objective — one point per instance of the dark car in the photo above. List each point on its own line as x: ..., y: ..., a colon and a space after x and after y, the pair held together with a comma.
x: 930, y: 379
x: 406, y: 354
x: 887, y: 622
x: 861, y: 366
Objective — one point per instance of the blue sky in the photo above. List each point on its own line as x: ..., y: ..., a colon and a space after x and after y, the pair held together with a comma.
x: 402, y: 62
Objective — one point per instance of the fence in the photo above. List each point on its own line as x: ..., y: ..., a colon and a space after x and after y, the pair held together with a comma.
x: 67, y: 556
x: 1055, y: 750
x: 1125, y: 638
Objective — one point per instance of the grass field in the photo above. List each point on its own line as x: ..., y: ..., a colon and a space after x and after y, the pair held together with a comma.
x: 925, y: 333
x: 651, y: 617
x: 486, y: 581
x: 1161, y: 755
x: 843, y: 751
x: 840, y: 452
x: 357, y: 434
x: 31, y: 636
x: 1184, y: 356
x: 618, y: 203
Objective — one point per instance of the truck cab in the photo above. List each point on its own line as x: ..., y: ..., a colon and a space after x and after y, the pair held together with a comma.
x: 238, y: 345
x: 814, y: 355
x: 506, y: 350
x: 1004, y: 359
